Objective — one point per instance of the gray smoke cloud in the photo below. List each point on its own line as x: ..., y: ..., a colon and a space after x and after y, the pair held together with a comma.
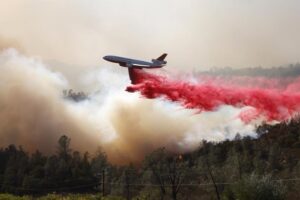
x: 34, y: 114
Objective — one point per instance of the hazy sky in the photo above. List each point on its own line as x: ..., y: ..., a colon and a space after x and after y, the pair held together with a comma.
x: 196, y: 33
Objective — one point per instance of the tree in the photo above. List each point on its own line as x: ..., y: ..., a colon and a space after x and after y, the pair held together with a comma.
x: 99, y: 162
x: 15, y: 170
x: 63, y: 148
x: 167, y: 169
x: 36, y: 173
x: 63, y: 170
x: 258, y: 188
x: 99, y: 167
x: 50, y: 168
x: 177, y: 172
x: 156, y: 163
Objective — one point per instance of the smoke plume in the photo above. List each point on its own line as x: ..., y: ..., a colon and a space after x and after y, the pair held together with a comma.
x: 35, y: 114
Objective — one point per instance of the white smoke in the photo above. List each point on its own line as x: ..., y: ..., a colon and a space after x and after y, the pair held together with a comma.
x: 34, y: 114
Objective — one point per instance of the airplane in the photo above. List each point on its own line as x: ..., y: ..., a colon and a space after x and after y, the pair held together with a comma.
x: 133, y: 64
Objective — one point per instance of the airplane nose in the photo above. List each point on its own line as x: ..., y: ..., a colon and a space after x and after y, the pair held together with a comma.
x: 105, y: 58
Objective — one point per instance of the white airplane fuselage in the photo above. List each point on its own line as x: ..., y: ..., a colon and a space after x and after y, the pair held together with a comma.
x: 132, y: 64
x: 128, y: 62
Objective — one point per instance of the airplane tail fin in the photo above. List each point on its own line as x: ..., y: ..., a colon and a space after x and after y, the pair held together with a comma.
x: 162, y: 57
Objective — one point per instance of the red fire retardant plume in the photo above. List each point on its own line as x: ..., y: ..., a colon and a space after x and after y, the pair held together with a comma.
x: 273, y: 104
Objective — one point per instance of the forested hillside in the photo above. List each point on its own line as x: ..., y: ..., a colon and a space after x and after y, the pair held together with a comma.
x: 246, y: 168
